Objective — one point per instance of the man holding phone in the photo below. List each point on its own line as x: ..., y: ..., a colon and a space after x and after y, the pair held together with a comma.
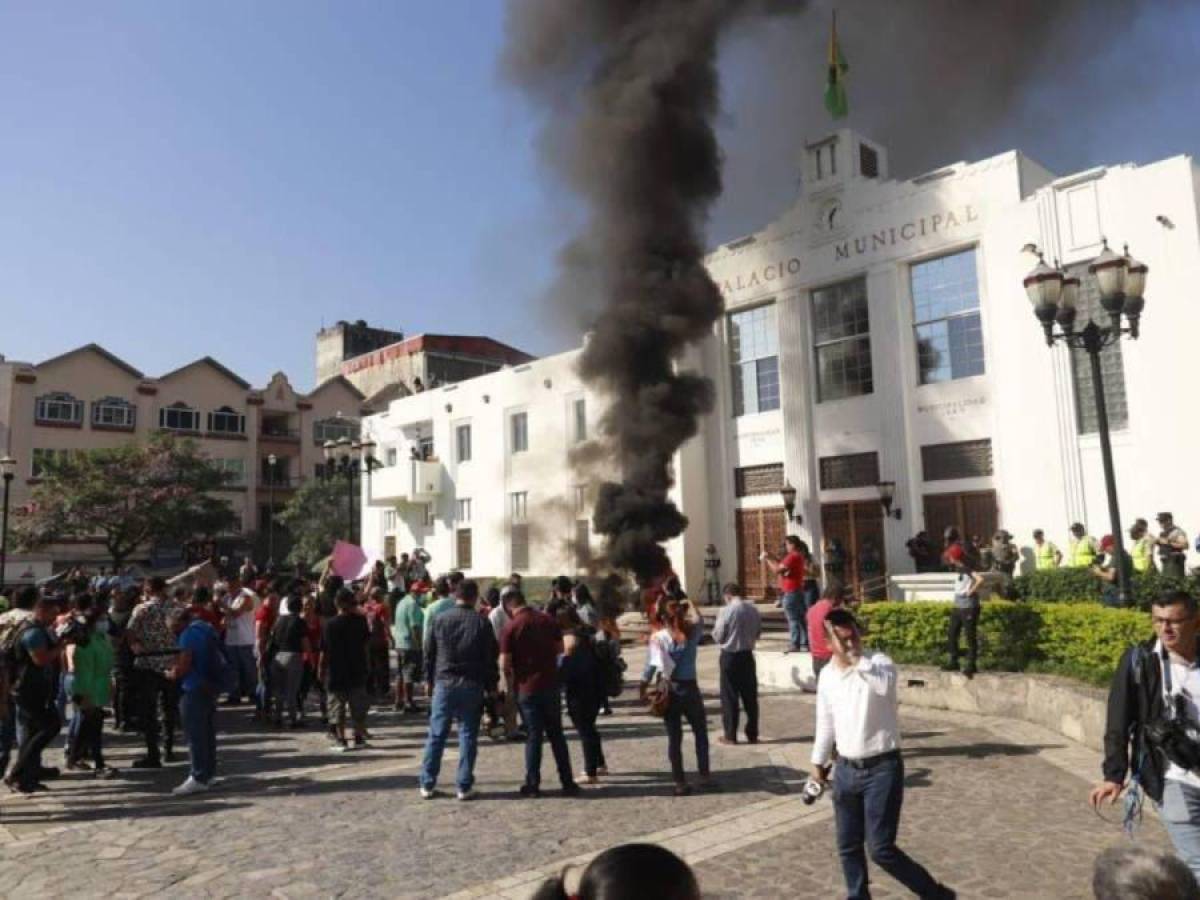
x: 857, y: 712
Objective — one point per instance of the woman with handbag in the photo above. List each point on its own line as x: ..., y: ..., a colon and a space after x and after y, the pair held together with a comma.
x: 580, y: 672
x: 669, y: 683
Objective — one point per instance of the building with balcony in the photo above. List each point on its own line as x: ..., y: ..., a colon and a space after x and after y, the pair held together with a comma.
x: 876, y: 341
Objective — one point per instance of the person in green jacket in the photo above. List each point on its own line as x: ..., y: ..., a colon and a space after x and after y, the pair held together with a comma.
x: 91, y: 663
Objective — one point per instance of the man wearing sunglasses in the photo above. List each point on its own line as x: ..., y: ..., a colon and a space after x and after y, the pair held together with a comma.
x: 1152, y: 707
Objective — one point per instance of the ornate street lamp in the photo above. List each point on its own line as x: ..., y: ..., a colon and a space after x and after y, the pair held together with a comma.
x: 1121, y: 281
x: 271, y: 460
x: 8, y: 468
x: 887, y: 493
x: 349, y: 459
x: 788, y: 493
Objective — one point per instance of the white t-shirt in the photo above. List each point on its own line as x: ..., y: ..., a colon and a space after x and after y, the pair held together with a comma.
x: 239, y: 630
x: 1185, y: 679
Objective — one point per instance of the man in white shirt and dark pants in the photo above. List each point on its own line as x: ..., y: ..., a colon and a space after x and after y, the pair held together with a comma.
x: 856, y: 711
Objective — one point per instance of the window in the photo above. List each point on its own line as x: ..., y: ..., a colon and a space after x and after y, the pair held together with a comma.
x: 334, y: 429
x: 750, y: 480
x: 43, y: 459
x: 113, y: 412
x: 961, y: 459
x: 179, y: 417
x: 842, y: 340
x: 430, y: 515
x: 868, y: 161
x: 580, y: 499
x: 226, y: 421
x: 579, y: 420
x: 390, y: 456
x: 518, y: 505
x: 849, y: 471
x: 462, y: 541
x: 1112, y: 367
x: 583, y: 544
x: 58, y: 408
x: 519, y: 424
x: 946, y: 320
x: 235, y: 470
x: 520, y: 547
x: 462, y: 510
x: 754, y: 356
x: 462, y: 442
x: 389, y: 520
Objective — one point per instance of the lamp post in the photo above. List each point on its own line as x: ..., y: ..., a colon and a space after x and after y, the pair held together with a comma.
x: 271, y: 460
x: 887, y: 494
x: 788, y: 494
x: 8, y: 467
x: 349, y: 459
x: 1121, y: 281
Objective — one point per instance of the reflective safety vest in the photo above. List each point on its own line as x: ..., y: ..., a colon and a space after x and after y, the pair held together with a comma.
x: 1143, y: 555
x: 1045, y: 554
x: 1082, y: 552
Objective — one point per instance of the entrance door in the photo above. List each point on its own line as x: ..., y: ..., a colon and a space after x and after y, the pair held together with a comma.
x: 759, y: 530
x: 972, y: 513
x: 859, y: 528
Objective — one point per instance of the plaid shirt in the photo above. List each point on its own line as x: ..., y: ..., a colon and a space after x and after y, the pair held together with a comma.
x: 148, y: 626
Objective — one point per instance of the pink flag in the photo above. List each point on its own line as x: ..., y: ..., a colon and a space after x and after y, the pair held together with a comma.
x: 348, y: 560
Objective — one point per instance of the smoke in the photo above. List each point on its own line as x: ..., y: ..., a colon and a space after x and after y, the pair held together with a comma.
x: 631, y: 91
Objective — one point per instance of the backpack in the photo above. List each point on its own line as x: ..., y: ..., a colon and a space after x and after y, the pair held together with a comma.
x: 612, y: 667
x: 10, y: 655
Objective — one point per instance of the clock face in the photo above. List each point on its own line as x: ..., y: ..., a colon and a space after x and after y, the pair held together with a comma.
x: 829, y: 218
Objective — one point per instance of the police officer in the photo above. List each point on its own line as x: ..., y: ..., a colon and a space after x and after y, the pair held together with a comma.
x: 1142, y: 552
x: 1081, y: 549
x: 1172, y: 546
x: 1004, y: 560
x: 1045, y: 554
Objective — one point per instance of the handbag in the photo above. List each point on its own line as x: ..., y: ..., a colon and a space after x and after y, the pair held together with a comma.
x: 658, y: 699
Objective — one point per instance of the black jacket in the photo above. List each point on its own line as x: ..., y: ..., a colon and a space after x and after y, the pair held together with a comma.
x: 460, y: 648
x: 1135, y: 700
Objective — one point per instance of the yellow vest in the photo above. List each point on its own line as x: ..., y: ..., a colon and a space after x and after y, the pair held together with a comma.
x: 1044, y: 555
x: 1082, y: 552
x: 1143, y: 555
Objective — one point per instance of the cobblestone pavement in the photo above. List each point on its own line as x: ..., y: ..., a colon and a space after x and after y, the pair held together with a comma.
x: 994, y: 808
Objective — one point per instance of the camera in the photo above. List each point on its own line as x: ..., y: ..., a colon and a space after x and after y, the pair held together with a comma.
x: 1177, y: 737
x: 811, y: 791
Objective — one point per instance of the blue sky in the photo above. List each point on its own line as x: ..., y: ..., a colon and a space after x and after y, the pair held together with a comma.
x: 180, y: 179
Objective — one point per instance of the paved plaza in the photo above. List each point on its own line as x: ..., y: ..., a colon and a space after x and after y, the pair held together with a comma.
x: 994, y: 808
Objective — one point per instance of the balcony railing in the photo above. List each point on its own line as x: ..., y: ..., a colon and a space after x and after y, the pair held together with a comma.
x: 273, y: 433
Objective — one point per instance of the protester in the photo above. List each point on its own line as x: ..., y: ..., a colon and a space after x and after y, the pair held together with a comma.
x: 92, y: 662
x: 288, y: 645
x: 195, y: 670
x: 674, y: 641
x: 818, y: 639
x: 1128, y: 871
x: 857, y: 712
x: 628, y: 872
x: 1138, y: 739
x: 343, y: 668
x: 11, y: 623
x: 1108, y: 571
x: 38, y: 721
x: 1172, y: 546
x: 580, y: 672
x: 379, y: 681
x: 265, y: 615
x: 123, y: 697
x: 460, y: 666
x: 791, y: 571
x: 442, y: 602
x: 1004, y: 561
x: 965, y: 614
x: 506, y: 698
x: 406, y: 636
x: 239, y: 612
x: 529, y: 650
x: 736, y: 632
x: 312, y: 660
x: 153, y: 644
x: 712, y: 576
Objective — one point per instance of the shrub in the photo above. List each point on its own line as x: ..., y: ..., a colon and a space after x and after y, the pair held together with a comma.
x: 1075, y: 585
x: 1083, y: 640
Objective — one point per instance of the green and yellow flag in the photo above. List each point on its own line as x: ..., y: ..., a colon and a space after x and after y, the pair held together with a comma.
x: 835, y: 87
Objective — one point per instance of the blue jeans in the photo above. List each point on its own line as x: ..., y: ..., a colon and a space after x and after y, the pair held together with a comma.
x: 198, y: 710
x: 867, y: 805
x: 1180, y: 812
x: 793, y: 608
x: 242, y: 657
x: 463, y: 702
x: 542, y: 712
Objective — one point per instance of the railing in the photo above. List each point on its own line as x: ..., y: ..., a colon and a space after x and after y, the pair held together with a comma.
x: 279, y: 434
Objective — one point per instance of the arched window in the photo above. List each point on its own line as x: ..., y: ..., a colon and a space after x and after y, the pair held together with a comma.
x: 113, y: 412
x: 179, y: 417
x: 226, y: 421
x: 58, y: 408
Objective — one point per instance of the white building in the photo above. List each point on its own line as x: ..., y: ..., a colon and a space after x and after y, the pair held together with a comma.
x: 877, y: 332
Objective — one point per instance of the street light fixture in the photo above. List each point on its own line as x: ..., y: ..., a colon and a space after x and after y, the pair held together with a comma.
x: 887, y: 493
x: 788, y: 493
x: 8, y: 468
x: 271, y: 460
x: 1121, y: 281
x: 349, y: 459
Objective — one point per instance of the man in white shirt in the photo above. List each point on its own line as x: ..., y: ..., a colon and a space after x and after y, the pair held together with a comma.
x: 856, y: 711
x: 238, y: 610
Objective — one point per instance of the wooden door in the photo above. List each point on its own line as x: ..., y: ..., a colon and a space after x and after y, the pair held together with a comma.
x: 859, y: 528
x: 759, y: 530
x: 971, y: 512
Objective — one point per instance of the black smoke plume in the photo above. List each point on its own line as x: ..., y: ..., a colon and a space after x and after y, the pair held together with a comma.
x: 631, y: 90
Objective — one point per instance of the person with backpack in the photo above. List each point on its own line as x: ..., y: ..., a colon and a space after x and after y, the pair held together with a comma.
x: 379, y: 625
x: 201, y: 671
x: 579, y: 669
x: 10, y: 624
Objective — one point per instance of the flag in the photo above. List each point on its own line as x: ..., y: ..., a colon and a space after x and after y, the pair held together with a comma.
x: 835, y: 87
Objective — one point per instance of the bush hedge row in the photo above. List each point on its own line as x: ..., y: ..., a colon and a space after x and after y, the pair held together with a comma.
x: 1075, y: 585
x: 1081, y: 640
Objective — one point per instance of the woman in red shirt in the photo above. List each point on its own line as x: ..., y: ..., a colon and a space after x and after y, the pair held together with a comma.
x: 791, y: 585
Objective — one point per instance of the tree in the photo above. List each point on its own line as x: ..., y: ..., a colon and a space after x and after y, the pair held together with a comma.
x: 315, y: 518
x: 127, y: 497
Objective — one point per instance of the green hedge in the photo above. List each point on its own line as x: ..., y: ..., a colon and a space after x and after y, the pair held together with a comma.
x: 1075, y: 585
x: 1082, y: 640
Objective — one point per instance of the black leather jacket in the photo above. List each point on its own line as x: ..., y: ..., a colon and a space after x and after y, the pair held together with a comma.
x: 1135, y: 700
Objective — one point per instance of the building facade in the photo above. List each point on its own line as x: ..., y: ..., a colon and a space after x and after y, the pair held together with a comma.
x: 876, y: 334
x: 89, y: 398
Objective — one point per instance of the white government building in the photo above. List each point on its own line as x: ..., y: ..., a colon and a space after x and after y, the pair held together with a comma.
x: 877, y: 332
